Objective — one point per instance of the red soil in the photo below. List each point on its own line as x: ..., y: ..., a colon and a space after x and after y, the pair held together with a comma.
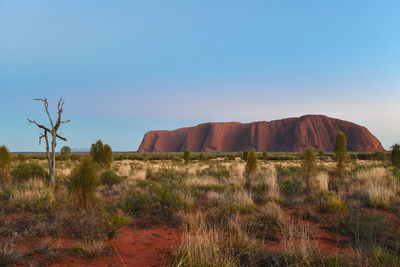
x: 292, y: 134
x: 133, y: 247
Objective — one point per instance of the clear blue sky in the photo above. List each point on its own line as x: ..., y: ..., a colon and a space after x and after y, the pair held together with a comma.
x: 126, y: 67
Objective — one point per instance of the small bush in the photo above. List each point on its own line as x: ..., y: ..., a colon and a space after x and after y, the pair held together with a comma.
x: 24, y: 171
x: 90, y: 249
x: 65, y: 152
x: 291, y: 187
x: 153, y: 197
x: 84, y: 182
x: 93, y: 225
x: 384, y: 257
x: 160, y: 193
x: 110, y: 177
x: 5, y: 163
x: 251, y: 163
x: 218, y: 171
x: 244, y: 154
x: 78, y: 249
x: 5, y: 193
x: 115, y: 221
x: 186, y: 156
x: 335, y: 261
x: 335, y: 206
x: 9, y: 253
x: 322, y: 196
x: 367, y: 230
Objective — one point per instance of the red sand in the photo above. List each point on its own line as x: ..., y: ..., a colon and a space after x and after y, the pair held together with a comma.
x: 133, y: 247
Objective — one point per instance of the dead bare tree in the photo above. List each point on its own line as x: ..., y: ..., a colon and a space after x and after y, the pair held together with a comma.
x: 51, y: 155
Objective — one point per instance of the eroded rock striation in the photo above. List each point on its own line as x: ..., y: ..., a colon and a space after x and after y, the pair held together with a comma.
x: 291, y: 134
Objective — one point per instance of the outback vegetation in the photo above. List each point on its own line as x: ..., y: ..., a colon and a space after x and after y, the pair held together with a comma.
x: 216, y: 209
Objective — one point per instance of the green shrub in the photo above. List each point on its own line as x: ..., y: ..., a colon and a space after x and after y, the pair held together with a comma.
x: 78, y: 249
x: 291, y: 187
x: 309, y: 167
x: 65, y: 152
x: 367, y: 230
x: 21, y: 158
x: 5, y: 163
x: 5, y: 193
x: 383, y: 204
x: 244, y: 155
x: 101, y: 154
x: 259, y: 188
x: 322, y: 196
x: 110, y: 177
x: 235, y: 207
x: 335, y: 206
x: 251, y: 163
x: 384, y: 257
x: 218, y: 171
x: 335, y: 261
x: 156, y: 197
x: 161, y: 193
x: 231, y: 157
x: 186, y: 156
x: 116, y: 220
x: 288, y: 172
x: 341, y: 153
x: 84, y: 182
x: 25, y: 171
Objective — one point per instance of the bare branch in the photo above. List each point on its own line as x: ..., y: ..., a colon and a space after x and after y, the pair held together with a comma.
x: 46, y: 107
x: 62, y: 138
x: 44, y: 135
x: 60, y: 107
x: 39, y: 125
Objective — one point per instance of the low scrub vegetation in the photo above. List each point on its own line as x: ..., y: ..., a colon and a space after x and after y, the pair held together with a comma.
x: 226, y: 212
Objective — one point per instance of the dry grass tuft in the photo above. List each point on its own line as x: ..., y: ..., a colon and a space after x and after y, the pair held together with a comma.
x: 34, y: 194
x: 9, y: 253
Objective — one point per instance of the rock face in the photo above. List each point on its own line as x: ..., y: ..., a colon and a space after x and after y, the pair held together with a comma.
x: 291, y: 134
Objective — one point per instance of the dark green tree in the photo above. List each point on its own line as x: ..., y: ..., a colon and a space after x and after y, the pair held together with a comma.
x: 251, y: 163
x: 83, y: 182
x: 341, y: 153
x: 245, y: 154
x: 309, y: 167
x: 96, y: 151
x: 186, y: 156
x: 101, y: 154
x: 395, y: 158
x: 107, y: 156
x: 265, y: 155
x: 5, y: 164
x: 65, y: 152
x: 21, y: 158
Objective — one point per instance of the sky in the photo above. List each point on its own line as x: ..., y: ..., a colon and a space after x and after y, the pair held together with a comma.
x: 126, y: 67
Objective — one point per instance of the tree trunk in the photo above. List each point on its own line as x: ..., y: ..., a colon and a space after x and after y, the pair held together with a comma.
x: 53, y: 159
